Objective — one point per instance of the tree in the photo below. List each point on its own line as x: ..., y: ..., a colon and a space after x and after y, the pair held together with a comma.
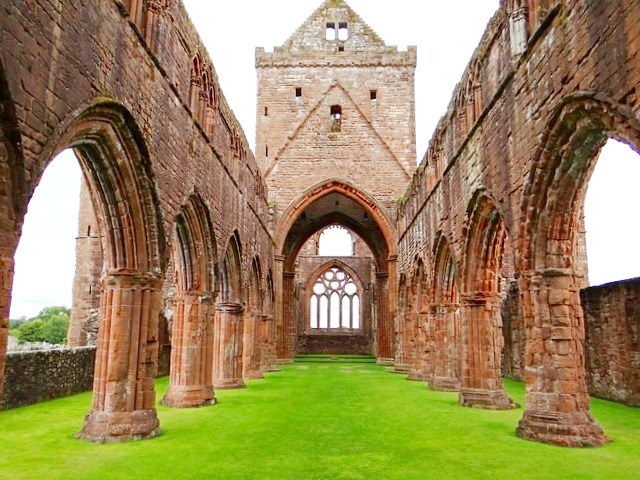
x: 50, y: 325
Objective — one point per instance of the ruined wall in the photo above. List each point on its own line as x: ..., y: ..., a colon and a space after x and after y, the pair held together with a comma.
x: 35, y: 376
x: 130, y: 87
x: 507, y: 170
x: 612, y: 340
x: 298, y: 145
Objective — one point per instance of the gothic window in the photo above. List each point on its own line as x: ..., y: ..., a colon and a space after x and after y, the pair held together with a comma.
x: 343, y: 32
x: 335, y: 301
x: 331, y: 31
x: 336, y: 118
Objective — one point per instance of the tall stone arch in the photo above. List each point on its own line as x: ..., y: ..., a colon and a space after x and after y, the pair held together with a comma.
x: 117, y: 168
x: 229, y: 323
x: 481, y: 307
x: 445, y: 318
x: 336, y: 202
x: 557, y: 406
x: 251, y: 367
x: 194, y: 254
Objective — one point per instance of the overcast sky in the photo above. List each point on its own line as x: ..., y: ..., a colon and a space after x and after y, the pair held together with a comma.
x: 446, y: 34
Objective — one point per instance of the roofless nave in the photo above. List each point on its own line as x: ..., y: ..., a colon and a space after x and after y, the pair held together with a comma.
x: 486, y: 232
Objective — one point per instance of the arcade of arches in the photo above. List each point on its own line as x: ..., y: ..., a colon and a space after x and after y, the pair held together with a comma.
x: 463, y: 269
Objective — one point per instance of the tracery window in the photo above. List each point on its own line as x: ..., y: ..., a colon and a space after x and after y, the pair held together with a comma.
x: 335, y: 301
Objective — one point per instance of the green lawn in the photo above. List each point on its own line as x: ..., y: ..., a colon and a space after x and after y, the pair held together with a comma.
x: 315, y: 421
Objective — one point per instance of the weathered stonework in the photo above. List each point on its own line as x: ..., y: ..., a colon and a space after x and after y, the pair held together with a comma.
x: 494, y: 211
x: 612, y: 341
x: 507, y: 170
x: 335, y: 141
x: 35, y: 376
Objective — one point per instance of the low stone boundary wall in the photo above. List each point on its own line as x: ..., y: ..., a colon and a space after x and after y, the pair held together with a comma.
x: 34, y: 376
x: 612, y: 340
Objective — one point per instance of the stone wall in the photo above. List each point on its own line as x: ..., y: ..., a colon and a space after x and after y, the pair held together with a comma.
x: 32, y: 377
x: 612, y: 340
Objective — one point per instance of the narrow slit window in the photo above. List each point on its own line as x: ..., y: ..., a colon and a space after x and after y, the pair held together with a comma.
x: 266, y: 151
x: 298, y: 92
x: 343, y: 32
x: 336, y: 118
x: 330, y: 33
x: 373, y: 94
x: 266, y: 111
x: 88, y: 230
x: 341, y: 48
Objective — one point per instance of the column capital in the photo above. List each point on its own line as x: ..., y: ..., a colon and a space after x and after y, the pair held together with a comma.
x: 131, y: 278
x: 229, y: 307
x: 479, y: 297
x: 279, y: 258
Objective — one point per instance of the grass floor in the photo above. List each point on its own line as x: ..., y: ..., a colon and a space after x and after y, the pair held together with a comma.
x: 316, y: 420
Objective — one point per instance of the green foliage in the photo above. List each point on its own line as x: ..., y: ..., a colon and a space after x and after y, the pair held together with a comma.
x: 15, y: 323
x: 50, y: 325
x: 320, y: 421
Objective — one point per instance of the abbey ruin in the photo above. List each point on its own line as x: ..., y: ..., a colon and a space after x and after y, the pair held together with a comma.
x: 466, y: 266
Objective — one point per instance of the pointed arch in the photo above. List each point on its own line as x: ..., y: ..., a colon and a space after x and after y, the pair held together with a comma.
x: 231, y: 271
x: 481, y: 338
x: 117, y: 167
x: 194, y: 253
x: 551, y: 277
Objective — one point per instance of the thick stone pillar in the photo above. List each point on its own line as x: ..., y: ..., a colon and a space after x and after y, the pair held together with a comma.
x: 268, y: 359
x: 251, y: 346
x: 557, y: 401
x: 227, y: 351
x: 444, y: 319
x: 123, y: 391
x: 190, y: 378
x: 402, y: 336
x: 6, y: 283
x: 421, y: 363
x: 481, y: 352
x: 286, y: 331
x: 385, y: 324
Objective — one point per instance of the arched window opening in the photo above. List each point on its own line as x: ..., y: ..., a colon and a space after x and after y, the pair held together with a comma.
x: 336, y: 118
x: 330, y: 32
x: 335, y: 241
x: 336, y: 294
x: 343, y: 31
x: 44, y: 276
x: 612, y: 233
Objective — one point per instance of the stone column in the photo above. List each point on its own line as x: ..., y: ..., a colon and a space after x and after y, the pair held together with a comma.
x: 281, y: 307
x: 251, y: 340
x: 123, y: 390
x: 481, y: 352
x: 268, y: 359
x: 286, y: 330
x: 420, y: 362
x: 557, y: 401
x: 384, y: 333
x: 6, y: 283
x: 190, y: 379
x: 444, y: 318
x: 227, y: 351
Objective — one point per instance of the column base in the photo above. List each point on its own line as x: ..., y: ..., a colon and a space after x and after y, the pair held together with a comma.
x: 400, y: 368
x: 189, y: 397
x: 284, y: 361
x: 566, y: 430
x: 417, y: 376
x: 487, y: 399
x: 228, y: 384
x: 113, y: 427
x: 387, y: 362
x: 444, y: 384
x: 256, y: 375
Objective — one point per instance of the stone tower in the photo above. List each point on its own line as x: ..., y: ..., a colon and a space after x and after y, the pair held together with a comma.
x: 336, y: 144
